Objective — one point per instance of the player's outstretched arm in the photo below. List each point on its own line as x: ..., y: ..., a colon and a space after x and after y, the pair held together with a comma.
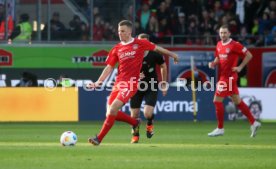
x: 213, y: 64
x: 164, y: 51
x: 248, y: 57
x: 107, y: 70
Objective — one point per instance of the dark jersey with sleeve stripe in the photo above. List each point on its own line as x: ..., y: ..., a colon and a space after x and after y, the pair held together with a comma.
x: 150, y: 61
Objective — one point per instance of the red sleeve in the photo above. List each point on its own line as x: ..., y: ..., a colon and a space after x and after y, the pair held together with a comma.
x: 112, y: 57
x: 147, y: 45
x: 240, y: 49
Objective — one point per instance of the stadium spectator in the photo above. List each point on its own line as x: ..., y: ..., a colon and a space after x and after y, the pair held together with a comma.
x: 233, y: 23
x: 98, y: 29
x: 255, y: 27
x: 96, y: 11
x: 218, y: 12
x: 227, y: 5
x: 138, y: 28
x: 271, y: 38
x: 253, y: 10
x: 3, y: 20
x: 154, y: 4
x: 57, y: 30
x: 272, y: 19
x: 153, y: 28
x: 84, y: 32
x: 264, y: 23
x: 129, y: 14
x: 78, y: 29
x: 260, y: 40
x: 240, y: 10
x: 192, y: 31
x: 206, y: 23
x: 208, y: 40
x: 163, y: 12
x: 129, y: 53
x: 165, y: 31
x: 144, y: 15
x: 271, y: 7
x: 169, y: 5
x: 109, y: 32
x: 244, y: 38
x: 226, y: 57
x: 28, y: 80
x: 173, y: 12
x: 180, y: 27
x: 23, y: 31
x: 148, y: 74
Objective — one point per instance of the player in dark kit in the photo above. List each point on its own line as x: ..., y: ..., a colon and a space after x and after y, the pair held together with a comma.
x: 129, y: 54
x: 148, y: 89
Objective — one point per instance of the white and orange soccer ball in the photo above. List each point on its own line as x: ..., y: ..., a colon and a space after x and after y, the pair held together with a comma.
x: 68, y: 138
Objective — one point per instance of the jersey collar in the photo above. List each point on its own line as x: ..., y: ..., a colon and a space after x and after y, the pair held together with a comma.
x: 226, y: 43
x: 131, y: 40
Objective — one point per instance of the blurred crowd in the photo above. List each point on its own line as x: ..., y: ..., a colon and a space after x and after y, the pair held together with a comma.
x: 252, y: 22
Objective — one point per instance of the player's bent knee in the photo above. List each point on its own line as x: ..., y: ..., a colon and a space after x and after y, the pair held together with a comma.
x: 112, y: 112
x: 236, y: 100
x: 148, y: 111
x: 148, y: 115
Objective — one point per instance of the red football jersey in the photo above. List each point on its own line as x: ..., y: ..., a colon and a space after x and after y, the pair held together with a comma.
x: 130, y: 57
x: 228, y: 54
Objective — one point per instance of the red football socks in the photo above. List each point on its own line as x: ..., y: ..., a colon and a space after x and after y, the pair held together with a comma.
x: 107, y: 125
x: 220, y: 113
x: 245, y: 110
x: 121, y: 116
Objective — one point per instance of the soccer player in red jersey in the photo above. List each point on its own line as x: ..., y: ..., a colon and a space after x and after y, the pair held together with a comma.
x: 226, y: 57
x: 129, y: 53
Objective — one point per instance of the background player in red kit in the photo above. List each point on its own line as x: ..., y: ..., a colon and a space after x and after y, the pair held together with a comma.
x: 129, y: 53
x: 226, y: 57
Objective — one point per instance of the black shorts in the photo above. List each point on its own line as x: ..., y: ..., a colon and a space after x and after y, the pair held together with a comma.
x: 149, y: 95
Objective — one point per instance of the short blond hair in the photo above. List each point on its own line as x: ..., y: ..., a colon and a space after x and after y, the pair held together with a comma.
x: 143, y: 36
x: 125, y: 23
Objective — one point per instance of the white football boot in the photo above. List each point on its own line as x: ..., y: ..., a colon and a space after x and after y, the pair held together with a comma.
x: 216, y: 132
x: 254, y: 127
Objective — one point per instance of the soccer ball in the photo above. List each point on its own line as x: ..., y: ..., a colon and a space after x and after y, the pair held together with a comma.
x: 68, y: 138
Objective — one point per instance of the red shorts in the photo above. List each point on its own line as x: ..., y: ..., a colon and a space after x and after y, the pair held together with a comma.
x: 226, y: 88
x: 123, y: 93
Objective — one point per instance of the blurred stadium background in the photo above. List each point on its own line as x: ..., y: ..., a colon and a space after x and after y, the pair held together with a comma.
x: 174, y: 22
x: 67, y: 41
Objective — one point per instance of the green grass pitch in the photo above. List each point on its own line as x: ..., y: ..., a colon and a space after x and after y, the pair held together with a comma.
x: 175, y: 145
